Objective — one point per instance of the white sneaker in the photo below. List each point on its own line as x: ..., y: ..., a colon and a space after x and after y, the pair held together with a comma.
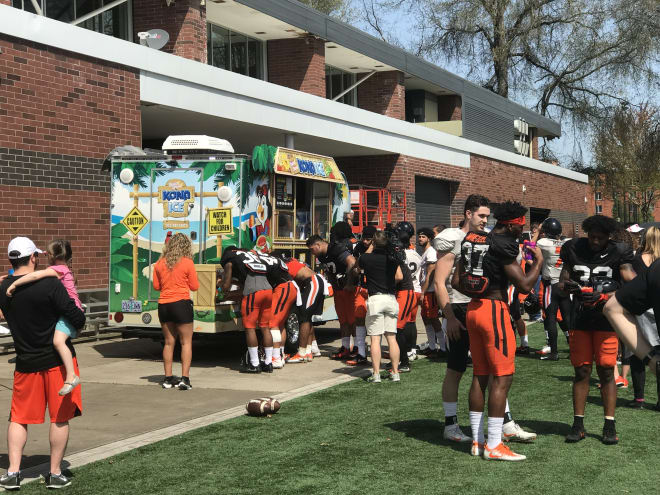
x: 395, y: 377
x: 423, y: 346
x: 316, y: 352
x: 546, y: 350
x: 512, y: 432
x: 278, y: 363
x: 374, y: 378
x: 412, y: 355
x: 501, y: 453
x: 453, y: 433
x: 477, y: 449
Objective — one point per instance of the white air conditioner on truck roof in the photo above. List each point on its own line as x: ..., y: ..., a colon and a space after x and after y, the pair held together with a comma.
x: 196, y: 144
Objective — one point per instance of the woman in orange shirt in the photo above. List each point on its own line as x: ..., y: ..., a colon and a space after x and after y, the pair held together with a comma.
x: 175, y: 277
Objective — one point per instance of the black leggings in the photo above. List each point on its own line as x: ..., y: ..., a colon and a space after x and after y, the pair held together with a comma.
x: 405, y: 338
x: 638, y: 375
x: 550, y: 305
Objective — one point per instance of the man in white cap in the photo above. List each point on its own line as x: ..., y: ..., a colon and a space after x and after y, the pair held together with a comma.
x: 31, y: 315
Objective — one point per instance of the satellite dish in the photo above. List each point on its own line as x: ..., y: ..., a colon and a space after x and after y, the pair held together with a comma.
x: 154, y: 38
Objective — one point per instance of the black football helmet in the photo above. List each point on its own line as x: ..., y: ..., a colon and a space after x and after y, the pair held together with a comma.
x: 551, y: 227
x: 405, y: 230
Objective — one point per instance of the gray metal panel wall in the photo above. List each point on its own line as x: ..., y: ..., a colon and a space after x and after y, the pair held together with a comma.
x: 485, y: 126
x: 432, y: 202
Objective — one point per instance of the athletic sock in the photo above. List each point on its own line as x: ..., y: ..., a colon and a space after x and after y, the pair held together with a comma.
x: 309, y: 349
x: 450, y: 412
x: 302, y: 351
x: 494, y: 431
x: 578, y: 421
x: 269, y: 355
x: 477, y: 425
x: 525, y: 340
x: 315, y: 346
x: 430, y: 333
x: 346, y: 343
x: 360, y: 336
x: 441, y: 339
x: 254, y: 355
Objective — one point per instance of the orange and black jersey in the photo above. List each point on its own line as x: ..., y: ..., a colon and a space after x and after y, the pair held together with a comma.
x: 582, y: 265
x: 486, y: 255
x: 277, y: 271
x: 244, y: 263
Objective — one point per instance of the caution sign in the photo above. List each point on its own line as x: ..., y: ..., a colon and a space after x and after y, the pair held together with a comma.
x: 220, y: 221
x: 135, y: 221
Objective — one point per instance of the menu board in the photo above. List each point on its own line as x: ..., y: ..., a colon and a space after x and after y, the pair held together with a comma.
x: 283, y: 192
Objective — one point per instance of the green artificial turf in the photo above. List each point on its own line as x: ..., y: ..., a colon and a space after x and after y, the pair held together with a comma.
x: 361, y: 438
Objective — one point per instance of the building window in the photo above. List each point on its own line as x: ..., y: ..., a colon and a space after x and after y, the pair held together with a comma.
x: 113, y: 22
x: 235, y: 52
x: 599, y: 209
x: 336, y: 82
x: 599, y: 196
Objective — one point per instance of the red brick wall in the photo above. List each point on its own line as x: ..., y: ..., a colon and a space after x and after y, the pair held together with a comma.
x: 60, y: 114
x: 383, y: 93
x: 499, y: 181
x: 57, y: 102
x: 298, y: 63
x: 184, y: 21
x: 535, y: 146
x: 44, y: 214
x: 450, y: 107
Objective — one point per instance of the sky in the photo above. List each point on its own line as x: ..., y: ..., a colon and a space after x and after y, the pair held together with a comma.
x: 566, y: 147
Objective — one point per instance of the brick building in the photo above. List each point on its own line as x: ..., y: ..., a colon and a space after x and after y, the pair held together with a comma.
x: 76, y: 83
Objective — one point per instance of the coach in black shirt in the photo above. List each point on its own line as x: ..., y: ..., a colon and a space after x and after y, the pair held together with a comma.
x: 31, y: 315
x: 381, y: 272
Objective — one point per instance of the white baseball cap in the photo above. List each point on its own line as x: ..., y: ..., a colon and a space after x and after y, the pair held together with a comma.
x: 20, y: 247
x: 635, y: 228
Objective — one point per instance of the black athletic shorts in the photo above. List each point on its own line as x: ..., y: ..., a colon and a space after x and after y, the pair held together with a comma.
x: 176, y: 312
x: 457, y: 351
x: 311, y: 293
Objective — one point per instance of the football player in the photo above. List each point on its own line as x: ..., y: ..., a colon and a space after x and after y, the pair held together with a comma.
x: 361, y: 295
x: 488, y: 264
x: 550, y: 244
x: 593, y: 267
x: 406, y: 233
x: 285, y: 295
x: 430, y: 314
x: 453, y: 305
x: 337, y: 261
x: 250, y: 272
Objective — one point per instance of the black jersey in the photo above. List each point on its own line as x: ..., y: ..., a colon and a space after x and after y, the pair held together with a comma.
x: 277, y: 272
x: 583, y: 265
x: 335, y: 264
x: 358, y: 251
x: 244, y: 263
x: 484, y: 258
x: 407, y: 282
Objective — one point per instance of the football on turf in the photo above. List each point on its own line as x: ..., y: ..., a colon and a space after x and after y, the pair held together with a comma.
x: 262, y: 407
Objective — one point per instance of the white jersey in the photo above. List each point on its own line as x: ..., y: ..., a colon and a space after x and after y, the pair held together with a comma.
x: 550, y: 248
x: 414, y: 262
x: 428, y: 258
x: 449, y: 241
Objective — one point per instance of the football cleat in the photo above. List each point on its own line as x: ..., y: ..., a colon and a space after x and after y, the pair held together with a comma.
x: 309, y: 357
x: 357, y: 361
x: 609, y: 434
x: 342, y: 353
x: 501, y: 453
x: 523, y: 350
x: 297, y: 358
x: 267, y: 368
x: 621, y: 382
x: 545, y: 350
x: 552, y: 356
x: 354, y: 352
x: 635, y: 404
x: 577, y: 433
x: 512, y: 432
x: 412, y: 355
x: 477, y: 449
x: 250, y: 368
x: 278, y: 363
x: 453, y: 433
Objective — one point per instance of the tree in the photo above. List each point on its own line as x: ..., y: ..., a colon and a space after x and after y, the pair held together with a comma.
x: 566, y: 58
x: 337, y: 8
x: 626, y: 150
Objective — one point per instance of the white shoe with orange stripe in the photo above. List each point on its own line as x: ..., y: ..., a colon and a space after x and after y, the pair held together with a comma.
x: 297, y: 358
x: 512, y: 432
x: 501, y: 453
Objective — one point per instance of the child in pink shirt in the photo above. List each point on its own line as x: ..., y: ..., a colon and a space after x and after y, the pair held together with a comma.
x: 59, y: 257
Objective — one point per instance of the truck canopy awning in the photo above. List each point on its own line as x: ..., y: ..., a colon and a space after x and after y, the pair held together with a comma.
x: 307, y: 166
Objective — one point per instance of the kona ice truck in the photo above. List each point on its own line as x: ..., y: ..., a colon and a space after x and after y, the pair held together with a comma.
x: 270, y: 201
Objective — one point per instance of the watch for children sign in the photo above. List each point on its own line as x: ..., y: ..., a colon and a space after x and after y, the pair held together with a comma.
x: 135, y: 221
x: 220, y: 221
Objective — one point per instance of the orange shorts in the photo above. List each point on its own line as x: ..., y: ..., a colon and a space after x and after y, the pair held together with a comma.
x: 345, y: 306
x: 585, y: 344
x: 284, y: 297
x: 33, y: 391
x: 406, y: 300
x: 429, y: 305
x: 413, y: 310
x: 492, y: 340
x: 361, y: 295
x: 255, y: 309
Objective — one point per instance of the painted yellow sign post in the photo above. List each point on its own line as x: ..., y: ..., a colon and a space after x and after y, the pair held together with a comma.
x: 220, y: 221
